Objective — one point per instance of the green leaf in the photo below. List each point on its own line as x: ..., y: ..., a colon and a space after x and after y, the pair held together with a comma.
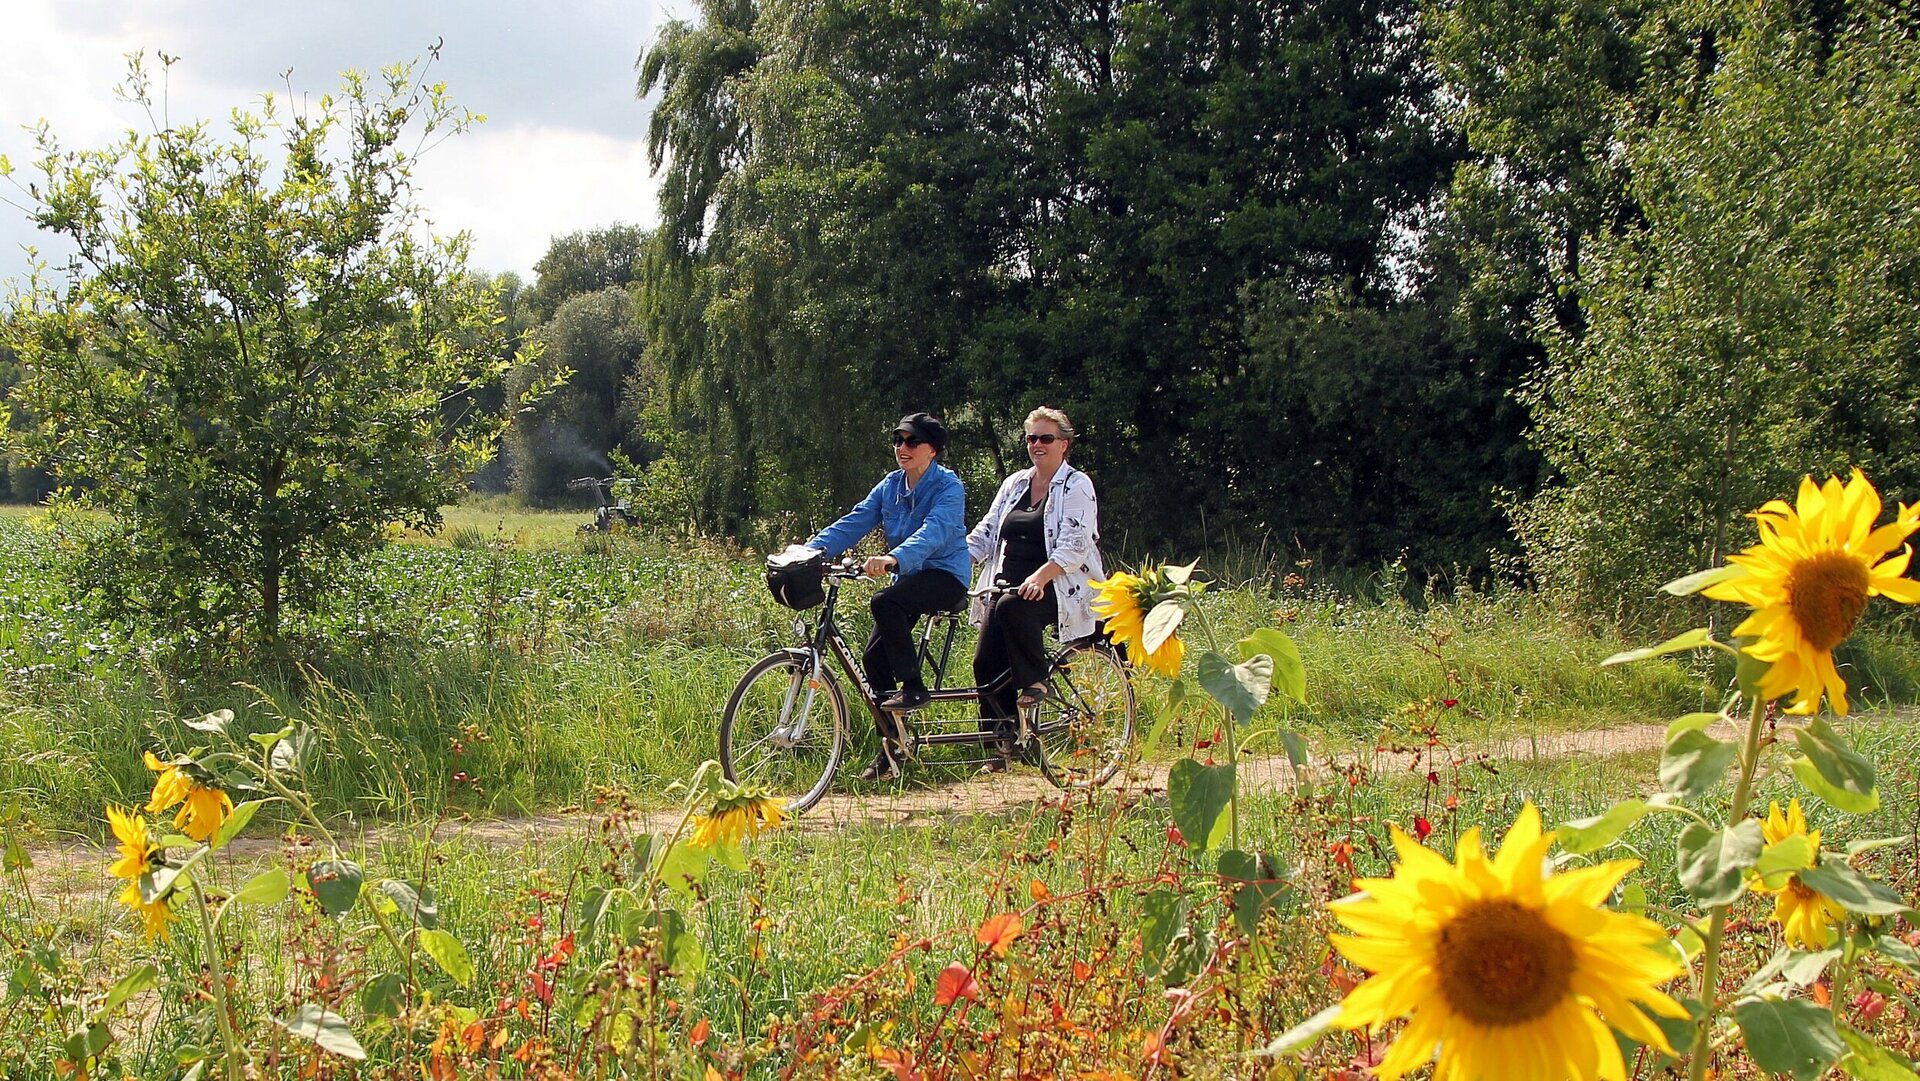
x: 1833, y: 770
x: 1852, y: 890
x: 158, y: 882
x: 1712, y: 862
x: 594, y: 903
x: 1241, y: 688
x: 684, y: 867
x: 1792, y: 1036
x: 89, y: 1042
x: 215, y: 722
x: 384, y: 996
x: 1695, y: 763
x: 1289, y: 671
x: 335, y: 884
x: 269, y: 887
x: 326, y: 1030
x: 1296, y: 748
x: 448, y: 953
x: 1802, y: 968
x: 1179, y: 574
x: 1301, y: 1036
x: 144, y: 978
x: 1258, y: 885
x: 1690, y: 723
x: 401, y: 899
x: 1593, y: 834
x: 1171, y: 948
x: 1160, y: 625
x: 1199, y: 795
x: 14, y: 857
x: 237, y: 821
x: 680, y: 949
x: 1694, y: 639
x: 291, y: 752
x: 266, y: 740
x: 1782, y: 858
x: 1693, y: 583
x: 1869, y: 1061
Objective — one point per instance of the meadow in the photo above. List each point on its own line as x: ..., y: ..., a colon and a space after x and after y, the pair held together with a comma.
x: 509, y: 669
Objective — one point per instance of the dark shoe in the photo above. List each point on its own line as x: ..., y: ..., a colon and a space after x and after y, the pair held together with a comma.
x: 1032, y: 696
x: 882, y: 768
x: 906, y: 698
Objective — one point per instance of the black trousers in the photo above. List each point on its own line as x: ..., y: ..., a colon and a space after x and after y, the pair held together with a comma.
x: 890, y: 658
x: 1013, y: 640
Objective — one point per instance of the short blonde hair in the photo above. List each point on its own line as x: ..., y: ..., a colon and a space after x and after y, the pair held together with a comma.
x: 1059, y: 419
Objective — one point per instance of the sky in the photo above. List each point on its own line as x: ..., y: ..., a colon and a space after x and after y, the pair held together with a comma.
x: 563, y: 148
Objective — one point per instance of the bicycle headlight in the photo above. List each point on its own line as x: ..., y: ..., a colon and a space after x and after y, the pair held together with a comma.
x: 799, y: 628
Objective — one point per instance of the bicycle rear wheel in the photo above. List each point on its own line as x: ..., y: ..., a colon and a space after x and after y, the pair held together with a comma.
x: 785, y: 729
x: 1084, y: 727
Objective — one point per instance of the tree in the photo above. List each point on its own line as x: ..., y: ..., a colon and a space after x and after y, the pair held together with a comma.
x: 596, y: 341
x: 1761, y: 323
x: 584, y: 262
x: 258, y: 360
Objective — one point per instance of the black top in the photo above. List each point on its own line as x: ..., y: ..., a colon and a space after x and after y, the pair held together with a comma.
x: 1023, y: 539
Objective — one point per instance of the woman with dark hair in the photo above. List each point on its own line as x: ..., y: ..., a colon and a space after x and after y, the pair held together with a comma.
x: 921, y: 511
x: 1041, y: 535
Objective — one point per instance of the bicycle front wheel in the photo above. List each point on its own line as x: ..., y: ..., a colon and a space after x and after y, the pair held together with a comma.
x: 1084, y: 727
x: 785, y: 729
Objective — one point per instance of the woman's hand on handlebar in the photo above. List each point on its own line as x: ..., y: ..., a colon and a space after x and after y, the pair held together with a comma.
x: 880, y: 566
x: 1035, y: 586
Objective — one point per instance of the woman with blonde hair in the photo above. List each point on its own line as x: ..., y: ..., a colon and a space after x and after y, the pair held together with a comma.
x: 1041, y: 536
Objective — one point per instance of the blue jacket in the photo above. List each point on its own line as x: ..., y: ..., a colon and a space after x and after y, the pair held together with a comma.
x: 925, y: 525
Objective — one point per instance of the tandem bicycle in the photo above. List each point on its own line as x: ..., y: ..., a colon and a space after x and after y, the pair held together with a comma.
x: 786, y: 725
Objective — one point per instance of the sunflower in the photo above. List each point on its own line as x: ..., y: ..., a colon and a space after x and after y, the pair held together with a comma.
x: 735, y: 815
x: 202, y: 808
x: 1509, y: 971
x: 1124, y: 601
x: 136, y: 847
x: 1806, y: 916
x: 154, y: 915
x: 137, y: 850
x: 1808, y: 580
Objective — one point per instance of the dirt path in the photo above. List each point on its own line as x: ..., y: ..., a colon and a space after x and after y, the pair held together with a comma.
x: 76, y: 870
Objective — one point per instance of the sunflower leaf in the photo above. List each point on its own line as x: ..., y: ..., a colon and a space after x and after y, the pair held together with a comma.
x: 336, y: 884
x: 1585, y: 835
x: 1792, y: 1036
x: 215, y: 722
x: 449, y: 954
x: 329, y: 1031
x: 1692, y: 722
x: 1199, y: 795
x: 1695, y: 763
x: 1289, y: 671
x: 1161, y: 623
x: 1712, y: 863
x: 1241, y: 688
x: 1301, y: 1036
x: 1869, y: 1061
x: 1697, y: 638
x: 1852, y: 890
x: 1833, y: 770
x: 1693, y: 583
x: 1783, y: 858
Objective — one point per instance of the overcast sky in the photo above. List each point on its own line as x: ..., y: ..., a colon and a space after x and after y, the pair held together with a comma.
x: 563, y: 148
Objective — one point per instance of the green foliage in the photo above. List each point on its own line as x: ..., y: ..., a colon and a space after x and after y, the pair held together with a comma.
x: 254, y: 367
x: 594, y: 344
x: 1769, y: 281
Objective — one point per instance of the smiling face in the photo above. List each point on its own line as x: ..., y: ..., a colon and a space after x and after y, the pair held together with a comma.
x: 1045, y: 445
x: 913, y: 454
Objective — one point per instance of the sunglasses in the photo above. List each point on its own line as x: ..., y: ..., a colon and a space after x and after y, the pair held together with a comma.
x: 906, y: 440
x: 1046, y: 438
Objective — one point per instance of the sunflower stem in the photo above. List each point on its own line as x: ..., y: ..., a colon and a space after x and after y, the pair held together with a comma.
x: 216, y: 972
x: 1709, y: 990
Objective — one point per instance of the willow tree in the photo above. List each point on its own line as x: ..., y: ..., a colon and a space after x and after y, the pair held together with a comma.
x: 258, y: 359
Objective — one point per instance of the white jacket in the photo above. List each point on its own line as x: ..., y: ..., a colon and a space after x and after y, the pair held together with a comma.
x: 1072, y: 526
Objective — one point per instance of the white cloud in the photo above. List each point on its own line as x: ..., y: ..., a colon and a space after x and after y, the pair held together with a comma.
x: 486, y: 181
x: 564, y: 150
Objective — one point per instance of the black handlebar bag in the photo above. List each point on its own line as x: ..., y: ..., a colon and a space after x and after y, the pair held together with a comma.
x: 797, y: 578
